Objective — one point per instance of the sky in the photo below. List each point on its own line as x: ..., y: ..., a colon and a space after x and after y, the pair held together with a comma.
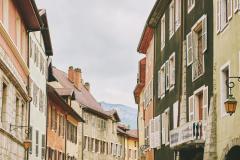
x: 101, y: 38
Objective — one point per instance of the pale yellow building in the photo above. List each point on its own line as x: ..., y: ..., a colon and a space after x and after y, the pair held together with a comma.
x: 226, y: 64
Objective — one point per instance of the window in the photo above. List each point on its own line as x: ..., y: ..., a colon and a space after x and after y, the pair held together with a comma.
x: 43, y: 147
x: 17, y: 118
x: 172, y: 71
x: 148, y: 93
x: 4, y: 102
x: 129, y: 153
x: 23, y: 117
x: 37, y: 143
x: 5, y: 13
x: 135, y: 154
x: 85, y: 142
x: 224, y: 74
x: 224, y: 13
x: 163, y: 32
x: 18, y: 32
x: 191, y: 4
x: 197, y: 46
x: 71, y: 132
x: 177, y: 14
x: 30, y: 138
x: 171, y: 19
x: 198, y: 105
x: 96, y: 145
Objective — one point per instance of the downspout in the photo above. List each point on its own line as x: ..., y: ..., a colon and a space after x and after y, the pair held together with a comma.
x: 28, y: 89
x: 82, y: 137
x: 46, y: 133
x: 65, y: 138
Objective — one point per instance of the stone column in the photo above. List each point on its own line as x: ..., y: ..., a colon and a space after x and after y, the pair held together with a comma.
x: 210, y: 149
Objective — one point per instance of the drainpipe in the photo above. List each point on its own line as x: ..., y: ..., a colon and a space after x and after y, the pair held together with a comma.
x: 82, y: 137
x: 65, y: 139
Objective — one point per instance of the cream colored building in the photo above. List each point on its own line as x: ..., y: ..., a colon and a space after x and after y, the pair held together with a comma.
x: 226, y: 64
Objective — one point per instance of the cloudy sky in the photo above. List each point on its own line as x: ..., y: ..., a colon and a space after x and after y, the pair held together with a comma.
x: 101, y: 38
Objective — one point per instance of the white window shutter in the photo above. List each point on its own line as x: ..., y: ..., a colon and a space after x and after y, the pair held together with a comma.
x: 177, y: 14
x: 173, y: 70
x: 204, y: 33
x: 189, y: 49
x: 218, y: 18
x: 235, y: 5
x: 157, y: 131
x: 191, y: 108
x: 167, y: 125
x: 229, y: 9
x: 159, y: 83
x: 163, y: 129
x: 150, y: 134
x: 205, y: 103
x: 175, y: 114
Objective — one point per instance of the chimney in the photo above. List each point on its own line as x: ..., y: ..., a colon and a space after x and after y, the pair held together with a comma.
x: 87, y: 86
x: 71, y: 74
x: 77, y: 77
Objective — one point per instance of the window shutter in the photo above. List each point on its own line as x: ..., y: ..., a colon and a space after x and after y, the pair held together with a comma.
x: 163, y: 129
x: 189, y: 49
x: 235, y: 5
x: 177, y: 14
x: 157, y: 131
x: 149, y: 133
x: 167, y: 70
x: 204, y: 33
x: 159, y: 83
x: 218, y: 16
x: 205, y: 103
x: 152, y: 133
x: 229, y: 9
x: 172, y: 70
x: 175, y: 114
x: 167, y: 126
x: 191, y: 108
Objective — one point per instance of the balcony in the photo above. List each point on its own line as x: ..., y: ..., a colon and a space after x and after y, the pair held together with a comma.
x: 198, y: 68
x: 191, y: 133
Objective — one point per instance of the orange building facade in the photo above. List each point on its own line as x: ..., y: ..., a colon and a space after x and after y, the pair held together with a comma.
x: 144, y: 96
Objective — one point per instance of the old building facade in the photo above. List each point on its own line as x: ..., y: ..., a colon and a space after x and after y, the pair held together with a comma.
x: 39, y: 51
x: 14, y: 72
x: 226, y: 64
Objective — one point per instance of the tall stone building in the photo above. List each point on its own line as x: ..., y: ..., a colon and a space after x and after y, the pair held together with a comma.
x: 14, y: 75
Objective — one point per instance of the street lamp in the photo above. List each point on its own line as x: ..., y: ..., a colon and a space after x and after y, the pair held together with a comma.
x: 231, y: 102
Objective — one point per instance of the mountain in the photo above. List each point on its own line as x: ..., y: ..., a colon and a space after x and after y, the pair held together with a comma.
x: 127, y: 114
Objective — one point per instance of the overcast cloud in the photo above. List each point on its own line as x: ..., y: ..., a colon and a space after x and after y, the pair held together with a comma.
x: 101, y: 38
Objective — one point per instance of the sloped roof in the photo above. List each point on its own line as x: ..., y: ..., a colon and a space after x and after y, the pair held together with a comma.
x: 82, y: 96
x: 132, y: 133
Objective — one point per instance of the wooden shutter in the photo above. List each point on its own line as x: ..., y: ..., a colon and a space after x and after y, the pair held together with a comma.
x: 157, y: 131
x: 167, y: 70
x: 163, y: 129
x: 229, y: 9
x: 218, y: 18
x: 191, y: 108
x: 152, y: 133
x: 205, y: 103
x: 159, y: 83
x: 204, y: 33
x: 189, y: 49
x: 177, y: 14
x: 175, y: 114
x: 172, y: 70
x: 167, y: 125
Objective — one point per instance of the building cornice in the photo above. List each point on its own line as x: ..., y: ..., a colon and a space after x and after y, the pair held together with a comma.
x: 14, y: 49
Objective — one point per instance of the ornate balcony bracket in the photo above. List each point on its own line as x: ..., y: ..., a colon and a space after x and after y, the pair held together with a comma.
x: 14, y: 127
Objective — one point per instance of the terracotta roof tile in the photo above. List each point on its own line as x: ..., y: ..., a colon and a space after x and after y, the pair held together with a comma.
x: 132, y: 133
x: 83, y: 96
